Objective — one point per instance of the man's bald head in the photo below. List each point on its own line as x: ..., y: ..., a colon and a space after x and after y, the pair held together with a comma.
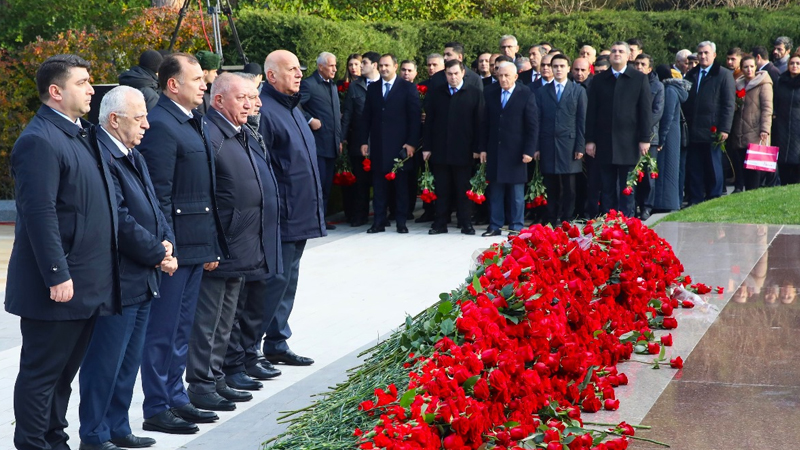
x: 282, y: 71
x: 580, y: 70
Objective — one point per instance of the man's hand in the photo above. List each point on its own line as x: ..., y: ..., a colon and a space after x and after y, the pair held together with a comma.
x: 409, y: 150
x: 536, y: 156
x: 426, y: 155
x: 210, y: 265
x: 644, y: 147
x: 476, y: 156
x: 62, y: 292
x: 340, y: 148
x: 526, y: 159
x: 578, y: 155
x: 723, y: 135
x: 168, y: 247
x: 590, y: 149
x: 169, y: 265
x: 315, y: 124
x: 365, y: 150
x: 483, y: 157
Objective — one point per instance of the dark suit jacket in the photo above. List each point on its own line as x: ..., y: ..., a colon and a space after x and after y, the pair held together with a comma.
x: 539, y: 84
x: 712, y: 106
x: 389, y: 124
x: 561, y: 128
x: 271, y: 236
x: 488, y: 81
x: 773, y: 72
x: 619, y: 115
x: 320, y: 100
x: 66, y: 223
x: 351, y: 114
x: 182, y: 170
x: 511, y: 132
x: 440, y: 79
x: 453, y: 124
x: 526, y: 77
x: 142, y: 225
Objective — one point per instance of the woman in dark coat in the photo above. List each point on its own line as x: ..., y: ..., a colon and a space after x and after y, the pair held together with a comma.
x: 668, y: 189
x: 786, y: 125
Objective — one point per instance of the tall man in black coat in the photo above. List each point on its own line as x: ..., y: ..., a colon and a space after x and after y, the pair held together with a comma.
x: 453, y: 125
x: 562, y: 121
x: 320, y: 100
x: 711, y: 104
x: 109, y: 371
x: 508, y: 145
x: 619, y: 122
x: 63, y: 268
x: 294, y: 157
x: 182, y: 171
x: 454, y: 50
x: 390, y: 129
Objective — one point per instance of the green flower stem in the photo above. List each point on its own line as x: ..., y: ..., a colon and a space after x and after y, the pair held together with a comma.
x: 601, y: 424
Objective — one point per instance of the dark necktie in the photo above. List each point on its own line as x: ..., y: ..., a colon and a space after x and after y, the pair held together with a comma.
x: 700, y: 77
x: 453, y: 91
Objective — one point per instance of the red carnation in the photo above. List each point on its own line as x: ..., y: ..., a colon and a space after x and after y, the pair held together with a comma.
x: 667, y: 340
x: 391, y: 176
x: 676, y: 363
x: 366, y: 164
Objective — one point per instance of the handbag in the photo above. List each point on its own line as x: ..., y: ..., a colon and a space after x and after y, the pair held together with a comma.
x: 684, y: 130
x: 761, y: 157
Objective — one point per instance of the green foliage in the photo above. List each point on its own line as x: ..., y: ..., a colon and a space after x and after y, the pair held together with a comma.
x: 22, y: 21
x: 776, y: 205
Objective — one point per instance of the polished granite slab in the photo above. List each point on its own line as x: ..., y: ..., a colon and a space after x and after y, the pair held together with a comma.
x: 739, y: 388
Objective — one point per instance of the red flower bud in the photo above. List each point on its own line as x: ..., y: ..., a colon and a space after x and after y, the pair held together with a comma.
x: 653, y: 348
x: 611, y: 404
x: 627, y: 191
x: 676, y: 363
x: 667, y: 340
x: 670, y: 323
x: 391, y: 176
x: 654, y: 175
x: 687, y: 304
x: 713, y: 129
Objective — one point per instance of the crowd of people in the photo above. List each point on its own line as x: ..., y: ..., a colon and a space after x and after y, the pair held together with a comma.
x: 167, y: 239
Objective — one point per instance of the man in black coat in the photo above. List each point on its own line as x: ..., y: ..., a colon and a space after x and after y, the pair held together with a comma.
x: 453, y: 125
x: 390, y: 129
x: 454, y: 50
x: 63, y: 270
x: 293, y: 156
x: 710, y: 105
x: 320, y: 102
x: 240, y: 204
x: 182, y: 171
x: 761, y: 55
x: 144, y: 77
x: 619, y: 123
x: 562, y: 120
x: 507, y: 147
x: 112, y: 360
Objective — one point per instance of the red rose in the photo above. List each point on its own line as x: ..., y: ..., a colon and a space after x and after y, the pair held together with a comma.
x: 667, y: 340
x: 653, y: 348
x: 553, y: 445
x: 654, y: 175
x: 670, y: 323
x: 714, y: 130
x: 676, y: 363
x: 453, y: 442
x: 391, y: 176
x: 366, y: 164
x: 626, y: 429
x: 687, y: 304
x: 611, y: 404
x: 666, y: 308
x: 623, y: 379
x: 720, y: 289
x: 627, y: 191
x: 741, y: 93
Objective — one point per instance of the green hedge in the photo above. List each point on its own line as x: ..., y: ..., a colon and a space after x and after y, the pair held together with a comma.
x: 662, y: 33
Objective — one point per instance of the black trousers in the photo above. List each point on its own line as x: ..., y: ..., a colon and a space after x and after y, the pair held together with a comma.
x: 614, y: 178
x: 790, y: 173
x: 52, y: 352
x: 355, y: 198
x: 326, y: 169
x: 382, y: 196
x: 560, y: 197
x: 646, y: 189
x: 247, y: 327
x: 452, y: 181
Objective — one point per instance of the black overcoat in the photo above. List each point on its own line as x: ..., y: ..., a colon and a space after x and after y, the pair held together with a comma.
x: 453, y: 124
x: 320, y: 100
x: 352, y: 109
x: 712, y: 105
x: 511, y: 132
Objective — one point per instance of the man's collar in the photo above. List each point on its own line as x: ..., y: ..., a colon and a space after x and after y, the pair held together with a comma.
x: 511, y: 90
x: 76, y: 121
x: 184, y: 110
x: 460, y: 85
x: 619, y: 71
x: 116, y: 141
x: 322, y: 78
x: 394, y: 78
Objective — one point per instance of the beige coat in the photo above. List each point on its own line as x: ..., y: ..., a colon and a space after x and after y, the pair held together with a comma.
x: 755, y: 115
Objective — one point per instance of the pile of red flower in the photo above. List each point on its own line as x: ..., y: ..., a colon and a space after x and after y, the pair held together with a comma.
x: 542, y: 326
x: 344, y: 173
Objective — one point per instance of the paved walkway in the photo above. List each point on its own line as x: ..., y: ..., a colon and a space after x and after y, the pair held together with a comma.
x: 355, y: 288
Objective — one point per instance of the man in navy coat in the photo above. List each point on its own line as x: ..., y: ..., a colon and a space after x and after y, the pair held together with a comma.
x: 109, y: 371
x: 63, y: 271
x: 320, y: 99
x: 182, y: 171
x: 510, y: 141
x: 390, y: 129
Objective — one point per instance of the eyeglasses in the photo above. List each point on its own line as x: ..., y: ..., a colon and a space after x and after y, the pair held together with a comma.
x: 507, y: 46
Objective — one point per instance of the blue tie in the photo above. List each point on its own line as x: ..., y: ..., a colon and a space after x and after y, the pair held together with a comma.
x: 504, y: 99
x: 453, y: 91
x: 558, y: 91
x: 700, y: 77
x: 386, y: 88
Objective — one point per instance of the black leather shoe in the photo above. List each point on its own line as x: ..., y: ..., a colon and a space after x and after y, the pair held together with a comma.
x: 468, y: 230
x: 374, y: 229
x: 425, y: 218
x: 645, y: 214
x: 491, y: 233
x: 131, y: 441
x: 211, y: 401
x: 233, y: 395
x: 402, y: 229
x: 103, y: 446
x: 263, y: 371
x: 242, y: 382
x: 437, y: 231
x: 289, y: 358
x: 168, y: 422
x: 358, y: 222
x: 189, y: 413
x: 480, y: 221
x: 330, y: 226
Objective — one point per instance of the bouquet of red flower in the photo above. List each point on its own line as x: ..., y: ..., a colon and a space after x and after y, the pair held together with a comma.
x: 426, y: 185
x: 343, y: 88
x: 398, y: 165
x: 536, y: 194
x: 344, y: 173
x: 366, y: 164
x: 423, y: 90
x: 740, y: 94
x: 635, y: 176
x: 718, y: 141
x: 478, y: 185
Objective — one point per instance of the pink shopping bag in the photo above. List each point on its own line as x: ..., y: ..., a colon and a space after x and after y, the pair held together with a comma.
x: 761, y: 157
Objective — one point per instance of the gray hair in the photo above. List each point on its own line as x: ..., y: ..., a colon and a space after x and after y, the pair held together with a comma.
x: 786, y: 41
x: 682, y: 55
x: 223, y: 82
x: 116, y: 101
x: 708, y: 44
x: 508, y: 37
x: 506, y: 64
x: 623, y: 44
x: 521, y: 61
x: 434, y: 56
x: 324, y: 57
x: 594, y: 50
